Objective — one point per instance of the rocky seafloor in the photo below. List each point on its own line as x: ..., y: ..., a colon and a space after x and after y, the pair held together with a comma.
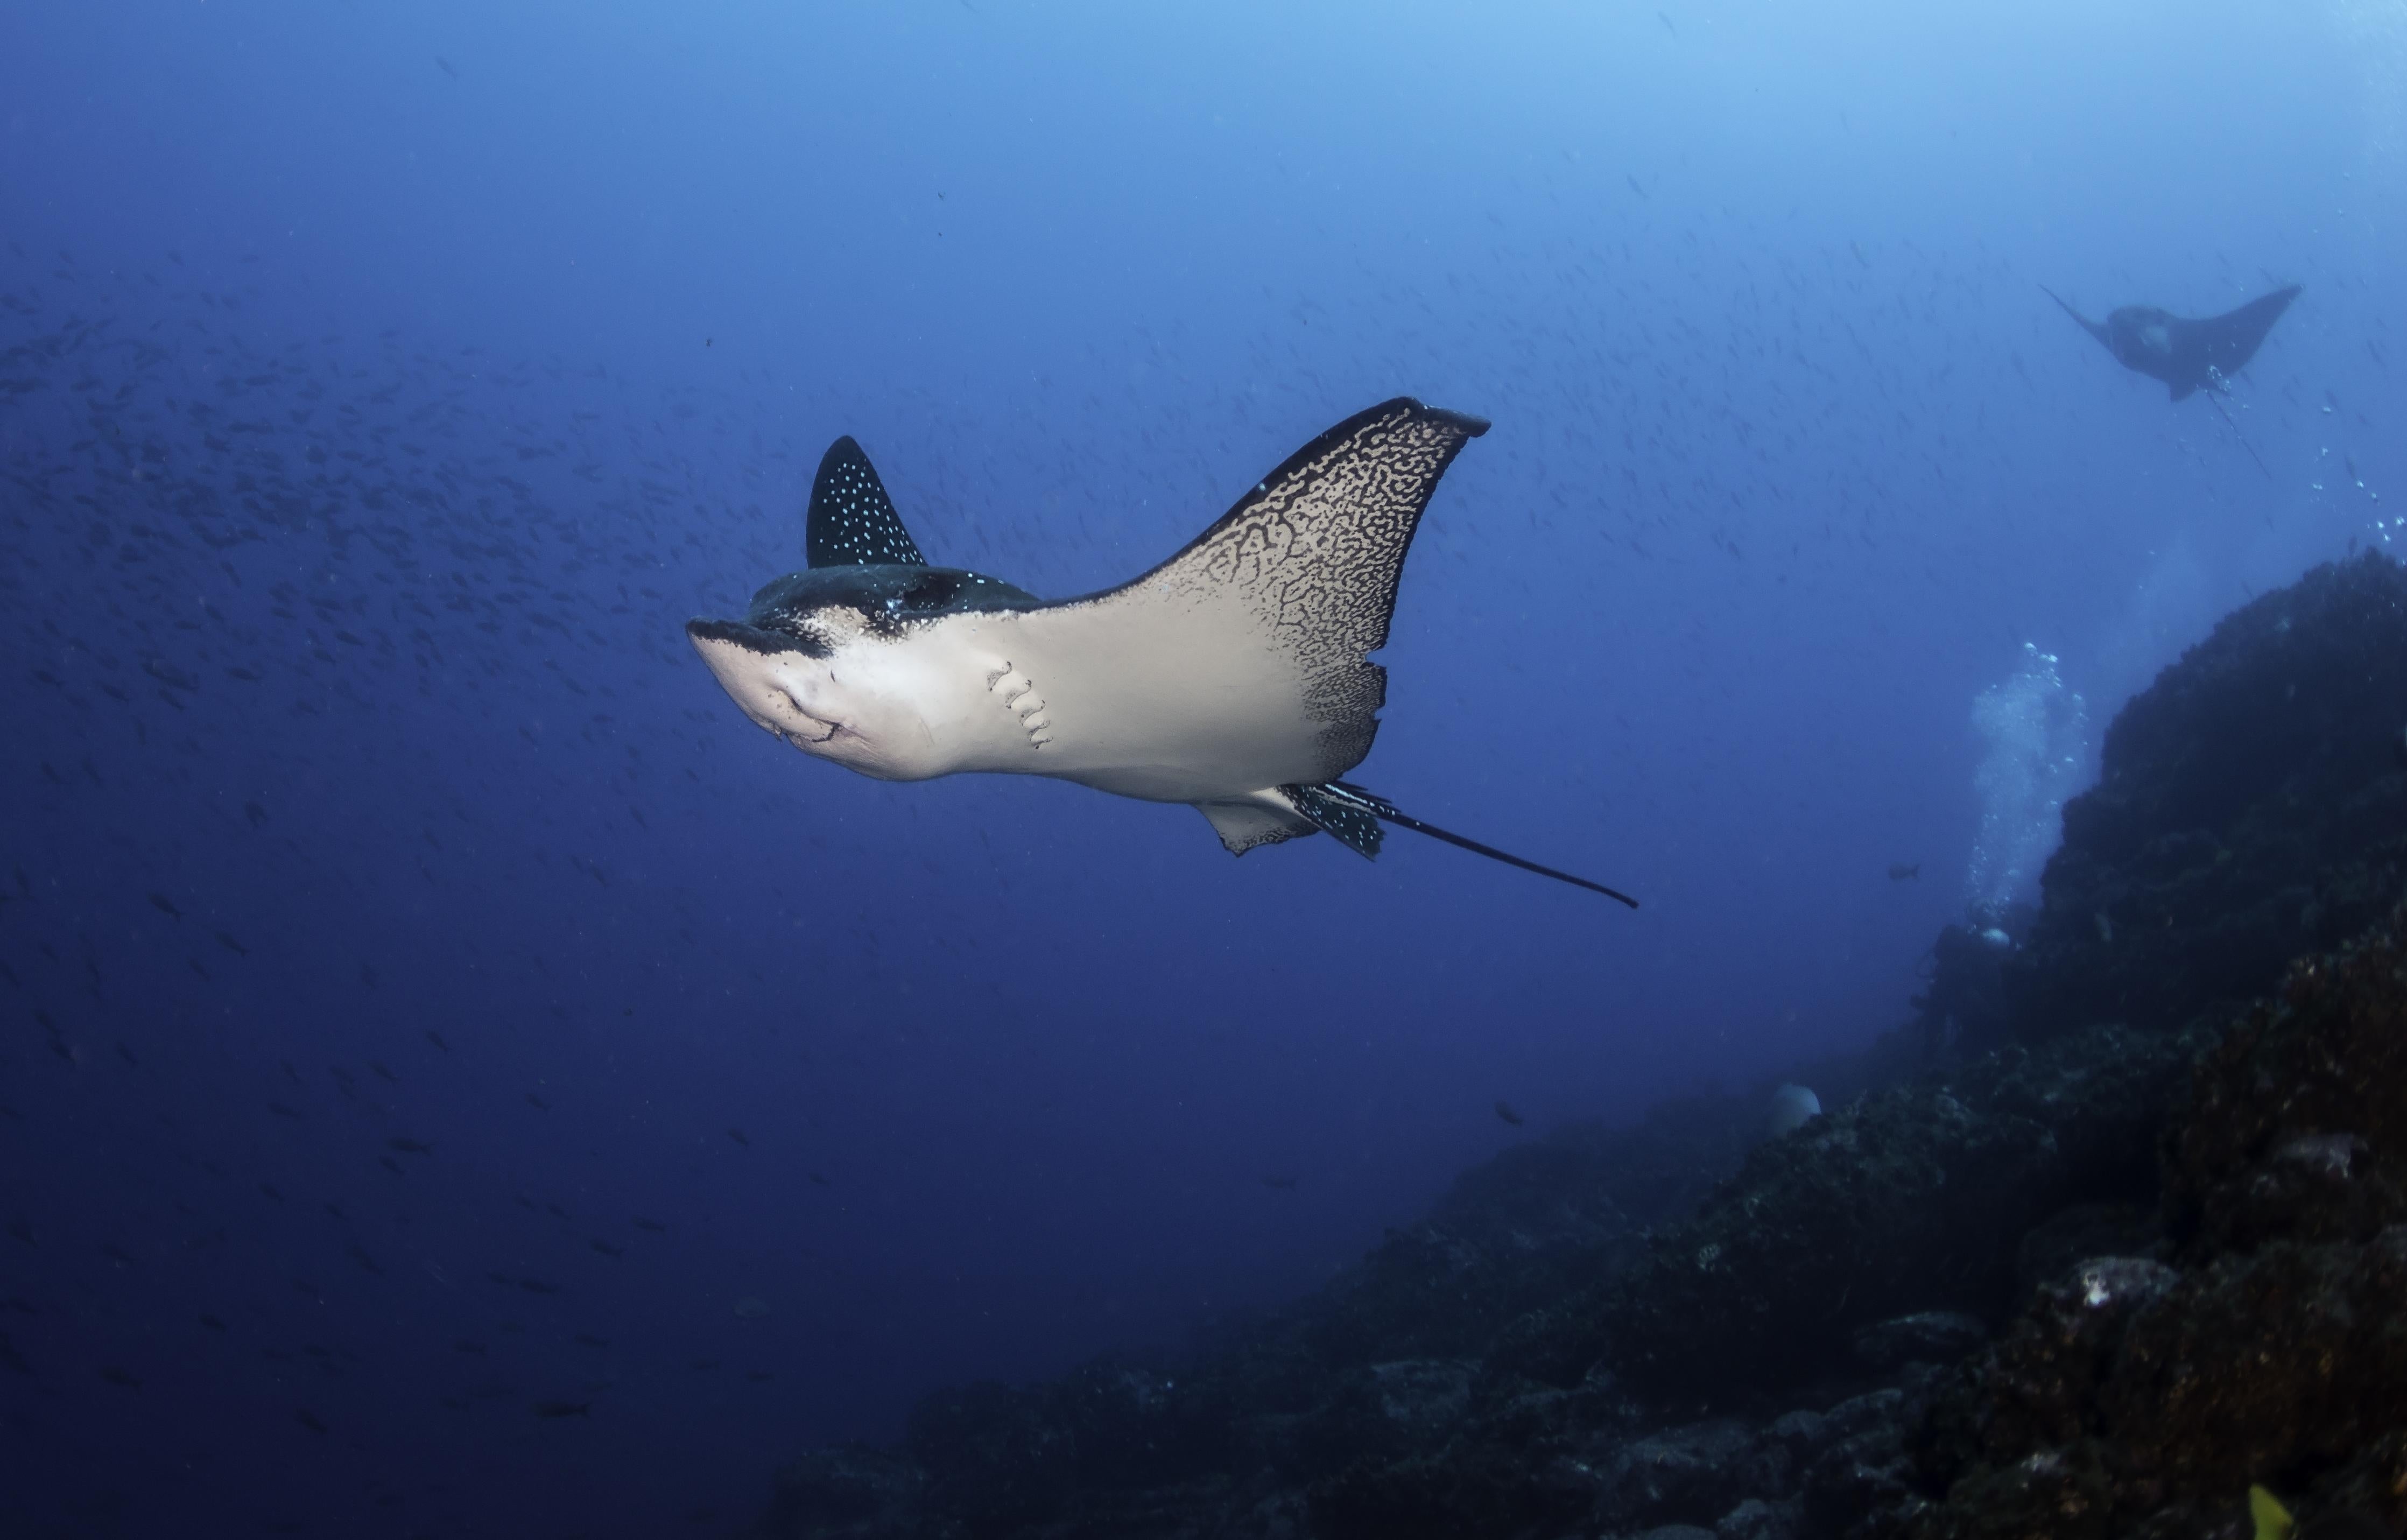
x: 2116, y: 1228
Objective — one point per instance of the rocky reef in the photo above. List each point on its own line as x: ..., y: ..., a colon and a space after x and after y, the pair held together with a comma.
x: 2250, y: 808
x: 2137, y: 1239
x: 2264, y: 1339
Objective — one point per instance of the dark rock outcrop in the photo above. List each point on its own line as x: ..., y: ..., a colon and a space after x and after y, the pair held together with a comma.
x: 2138, y: 1398
x: 1916, y: 1199
x: 2251, y: 808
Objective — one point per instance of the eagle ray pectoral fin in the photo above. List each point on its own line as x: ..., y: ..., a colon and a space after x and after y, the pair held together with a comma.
x: 1345, y: 804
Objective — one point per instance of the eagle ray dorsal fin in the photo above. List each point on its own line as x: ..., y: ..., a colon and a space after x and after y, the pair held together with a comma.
x: 852, y: 521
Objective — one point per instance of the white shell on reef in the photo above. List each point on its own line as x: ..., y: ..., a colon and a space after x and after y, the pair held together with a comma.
x: 1792, y: 1108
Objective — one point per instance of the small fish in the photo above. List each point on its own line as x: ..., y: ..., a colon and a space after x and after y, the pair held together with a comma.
x: 606, y: 1249
x: 116, y: 1376
x: 445, y: 65
x: 213, y: 1323
x: 465, y: 1345
x: 390, y: 1164
x: 271, y: 1191
x: 358, y: 1253
x: 232, y: 946
x: 737, y: 1135
x: 1285, y: 1184
x: 1504, y: 1110
x: 437, y: 1038
x: 758, y: 1376
x: 537, y: 1102
x: 1900, y: 872
x: 378, y: 1065
x: 409, y: 1146
x: 563, y: 1408
x: 2274, y: 1523
x: 161, y: 903
x: 587, y: 1339
x: 308, y: 1420
x: 537, y: 1286
x: 653, y: 1225
x: 816, y: 1178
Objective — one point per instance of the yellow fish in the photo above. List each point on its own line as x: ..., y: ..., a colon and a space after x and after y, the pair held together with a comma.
x: 2274, y: 1522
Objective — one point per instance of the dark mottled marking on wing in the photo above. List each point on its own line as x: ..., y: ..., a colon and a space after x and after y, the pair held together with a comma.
x: 1317, y: 549
x: 852, y: 521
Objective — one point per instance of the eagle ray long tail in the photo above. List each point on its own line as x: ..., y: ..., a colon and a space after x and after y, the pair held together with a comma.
x: 1416, y: 826
x: 1379, y: 806
x: 2216, y: 396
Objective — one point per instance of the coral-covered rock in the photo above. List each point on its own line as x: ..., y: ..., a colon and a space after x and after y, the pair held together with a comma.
x: 2133, y: 1398
x: 845, y: 1493
x: 2299, y: 1118
x: 2251, y: 806
x: 1686, y: 1475
x: 1927, y: 1337
x: 1758, y: 1520
x: 2036, y: 1389
x: 1915, y: 1200
x: 994, y: 1456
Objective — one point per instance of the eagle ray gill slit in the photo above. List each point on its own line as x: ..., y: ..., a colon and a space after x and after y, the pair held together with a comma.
x: 1235, y: 676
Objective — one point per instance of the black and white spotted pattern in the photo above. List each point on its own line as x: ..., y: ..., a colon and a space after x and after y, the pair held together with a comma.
x: 852, y: 521
x: 1343, y: 815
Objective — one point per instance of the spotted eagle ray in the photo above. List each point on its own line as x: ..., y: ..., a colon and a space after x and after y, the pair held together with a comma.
x: 2187, y: 355
x: 1233, y: 676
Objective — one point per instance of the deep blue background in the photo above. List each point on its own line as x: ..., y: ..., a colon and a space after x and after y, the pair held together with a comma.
x: 380, y: 390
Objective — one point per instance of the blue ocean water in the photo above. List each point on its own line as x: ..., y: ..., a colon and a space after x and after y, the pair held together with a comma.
x: 458, y: 1076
